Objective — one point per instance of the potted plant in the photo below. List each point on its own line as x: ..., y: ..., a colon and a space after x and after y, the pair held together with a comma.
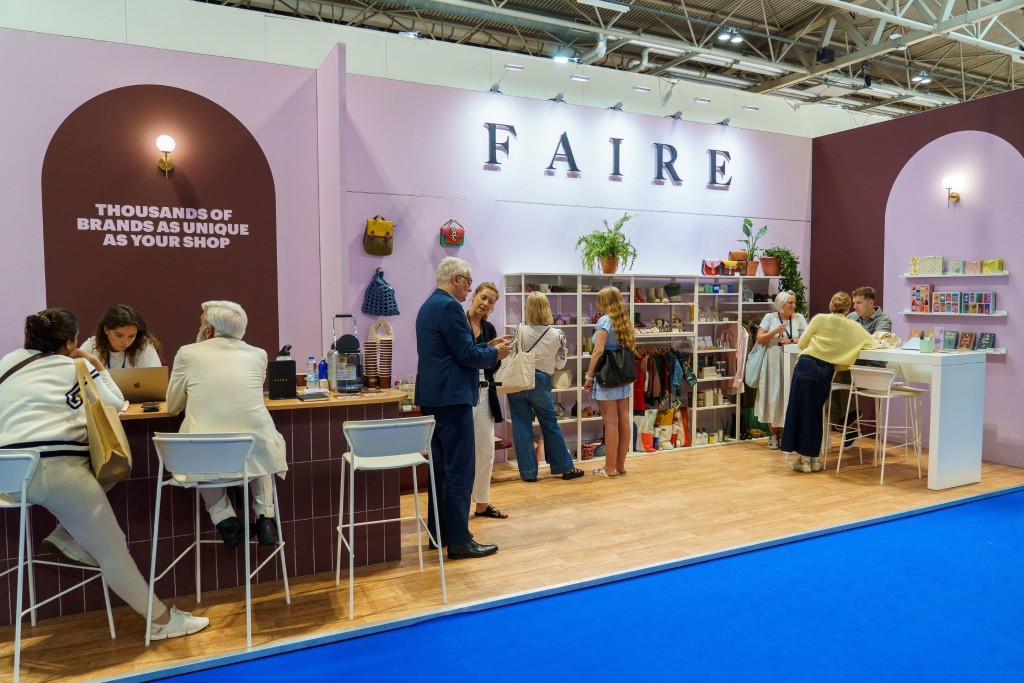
x: 609, y: 246
x: 790, y: 278
x: 749, y: 241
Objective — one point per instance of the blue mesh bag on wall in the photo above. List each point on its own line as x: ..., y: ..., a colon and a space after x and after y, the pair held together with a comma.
x: 380, y: 297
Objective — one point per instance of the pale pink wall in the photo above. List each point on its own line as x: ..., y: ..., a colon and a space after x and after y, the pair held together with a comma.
x: 417, y: 154
x: 43, y: 78
x: 984, y: 224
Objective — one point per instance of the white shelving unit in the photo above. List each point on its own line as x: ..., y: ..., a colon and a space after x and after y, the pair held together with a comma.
x: 574, y: 305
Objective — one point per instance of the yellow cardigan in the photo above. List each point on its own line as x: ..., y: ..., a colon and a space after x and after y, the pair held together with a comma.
x: 835, y: 339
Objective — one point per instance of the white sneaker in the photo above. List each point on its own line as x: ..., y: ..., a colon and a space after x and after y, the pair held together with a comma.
x: 181, y: 624
x: 815, y: 465
x: 61, y: 543
x: 773, y: 443
x: 803, y: 464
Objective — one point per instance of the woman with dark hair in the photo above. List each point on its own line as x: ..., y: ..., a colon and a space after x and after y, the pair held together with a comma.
x: 41, y: 409
x: 123, y: 340
x: 613, y: 331
x: 487, y: 411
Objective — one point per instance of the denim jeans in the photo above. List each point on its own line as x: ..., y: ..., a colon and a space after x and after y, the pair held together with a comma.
x: 555, y: 451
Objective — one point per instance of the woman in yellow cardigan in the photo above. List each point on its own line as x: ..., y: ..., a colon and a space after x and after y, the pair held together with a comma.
x: 830, y: 343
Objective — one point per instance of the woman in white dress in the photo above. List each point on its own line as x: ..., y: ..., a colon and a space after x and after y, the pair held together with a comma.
x: 781, y: 327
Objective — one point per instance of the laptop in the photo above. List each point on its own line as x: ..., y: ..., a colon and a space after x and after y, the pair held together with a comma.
x: 140, y: 385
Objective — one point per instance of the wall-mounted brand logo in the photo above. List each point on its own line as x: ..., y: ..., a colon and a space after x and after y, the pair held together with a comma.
x: 665, y: 157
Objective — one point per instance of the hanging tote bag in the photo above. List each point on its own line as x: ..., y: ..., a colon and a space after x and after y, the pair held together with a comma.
x: 379, y: 238
x: 380, y: 297
x: 108, y: 445
x: 752, y: 371
x: 616, y: 368
x: 453, y: 234
x: 517, y: 371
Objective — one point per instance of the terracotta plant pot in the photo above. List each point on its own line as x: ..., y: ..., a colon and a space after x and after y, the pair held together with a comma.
x: 609, y: 264
x: 751, y: 268
x: 770, y: 265
x: 737, y: 256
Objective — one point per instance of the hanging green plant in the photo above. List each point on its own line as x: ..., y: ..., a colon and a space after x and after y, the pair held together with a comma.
x: 790, y: 278
x: 610, y: 246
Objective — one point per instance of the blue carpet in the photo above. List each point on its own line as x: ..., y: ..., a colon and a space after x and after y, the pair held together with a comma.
x: 934, y: 597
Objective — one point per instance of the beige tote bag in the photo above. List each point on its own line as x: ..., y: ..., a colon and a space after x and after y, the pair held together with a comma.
x: 108, y: 445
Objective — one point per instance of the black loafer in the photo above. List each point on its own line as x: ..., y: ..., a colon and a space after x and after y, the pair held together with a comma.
x: 232, y: 531
x: 471, y: 549
x: 266, y: 531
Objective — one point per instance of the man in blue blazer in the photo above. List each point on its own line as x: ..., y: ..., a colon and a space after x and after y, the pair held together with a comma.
x: 447, y: 387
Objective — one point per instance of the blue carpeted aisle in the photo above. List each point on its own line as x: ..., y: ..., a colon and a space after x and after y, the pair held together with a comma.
x: 939, y: 596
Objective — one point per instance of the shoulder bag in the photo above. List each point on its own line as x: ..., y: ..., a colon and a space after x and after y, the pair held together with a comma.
x: 616, y: 368
x: 752, y: 369
x: 108, y: 445
x: 517, y: 370
x: 378, y: 240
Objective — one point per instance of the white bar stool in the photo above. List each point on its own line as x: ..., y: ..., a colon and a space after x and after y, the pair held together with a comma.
x: 16, y: 469
x: 379, y: 445
x: 211, y: 461
x: 877, y: 384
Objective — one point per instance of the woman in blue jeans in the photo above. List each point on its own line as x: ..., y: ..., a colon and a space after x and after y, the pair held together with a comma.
x: 550, y: 350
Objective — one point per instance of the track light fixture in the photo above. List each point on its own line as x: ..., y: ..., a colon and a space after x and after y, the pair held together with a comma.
x: 496, y: 88
x: 729, y: 35
x: 579, y: 78
x: 696, y: 100
x: 636, y: 88
x: 726, y: 120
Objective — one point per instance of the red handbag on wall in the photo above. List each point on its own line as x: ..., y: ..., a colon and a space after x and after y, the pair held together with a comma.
x: 453, y: 234
x: 710, y: 267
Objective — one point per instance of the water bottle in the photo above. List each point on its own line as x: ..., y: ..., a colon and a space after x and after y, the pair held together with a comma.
x: 322, y: 369
x: 312, y: 374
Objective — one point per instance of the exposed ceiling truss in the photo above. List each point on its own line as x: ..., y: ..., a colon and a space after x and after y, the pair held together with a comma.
x: 891, y: 57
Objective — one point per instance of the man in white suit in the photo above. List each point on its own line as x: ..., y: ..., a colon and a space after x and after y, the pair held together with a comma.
x: 220, y: 380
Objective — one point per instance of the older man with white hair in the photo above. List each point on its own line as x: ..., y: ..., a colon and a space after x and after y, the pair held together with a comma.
x: 447, y: 387
x: 220, y: 380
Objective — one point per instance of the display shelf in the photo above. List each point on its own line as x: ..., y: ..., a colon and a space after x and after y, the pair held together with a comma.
x: 996, y: 314
x: 908, y: 276
x: 719, y: 407
x: 555, y: 391
x: 714, y: 379
x: 580, y: 304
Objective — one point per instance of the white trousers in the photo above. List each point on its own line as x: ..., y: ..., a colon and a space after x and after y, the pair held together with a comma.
x: 261, y: 491
x: 483, y: 433
x: 67, y: 488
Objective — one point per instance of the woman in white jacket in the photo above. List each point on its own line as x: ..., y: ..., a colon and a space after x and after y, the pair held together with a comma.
x: 41, y: 409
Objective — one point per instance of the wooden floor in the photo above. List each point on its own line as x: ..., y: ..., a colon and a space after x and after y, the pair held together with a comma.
x: 672, y: 505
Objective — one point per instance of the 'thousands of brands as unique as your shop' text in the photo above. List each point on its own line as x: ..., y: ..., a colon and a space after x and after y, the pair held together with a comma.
x: 164, y: 226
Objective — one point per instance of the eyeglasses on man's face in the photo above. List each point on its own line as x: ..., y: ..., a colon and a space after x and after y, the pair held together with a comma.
x: 469, y: 280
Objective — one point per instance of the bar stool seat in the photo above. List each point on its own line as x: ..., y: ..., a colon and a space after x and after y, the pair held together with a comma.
x: 17, y: 466
x: 209, y: 461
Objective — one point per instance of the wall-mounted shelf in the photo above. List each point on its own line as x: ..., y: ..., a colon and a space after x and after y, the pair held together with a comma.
x: 996, y: 314
x: 1001, y: 273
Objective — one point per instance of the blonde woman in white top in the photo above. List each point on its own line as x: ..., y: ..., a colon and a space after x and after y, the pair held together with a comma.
x: 550, y: 350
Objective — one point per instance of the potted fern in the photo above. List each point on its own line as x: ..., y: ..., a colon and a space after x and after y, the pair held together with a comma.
x: 609, y: 246
x: 749, y: 242
x: 790, y: 278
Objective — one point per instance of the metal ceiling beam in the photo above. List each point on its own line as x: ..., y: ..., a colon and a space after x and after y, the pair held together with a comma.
x: 946, y: 26
x: 923, y: 32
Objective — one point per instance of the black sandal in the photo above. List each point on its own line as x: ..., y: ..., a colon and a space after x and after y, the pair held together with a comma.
x: 492, y: 512
x: 573, y: 474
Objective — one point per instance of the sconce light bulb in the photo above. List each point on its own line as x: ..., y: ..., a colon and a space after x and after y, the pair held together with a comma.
x: 165, y: 143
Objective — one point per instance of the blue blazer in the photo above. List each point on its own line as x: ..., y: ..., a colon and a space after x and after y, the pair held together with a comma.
x: 449, y: 360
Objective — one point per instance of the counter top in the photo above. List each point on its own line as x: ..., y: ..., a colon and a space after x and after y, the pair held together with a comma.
x: 134, y: 411
x: 916, y: 357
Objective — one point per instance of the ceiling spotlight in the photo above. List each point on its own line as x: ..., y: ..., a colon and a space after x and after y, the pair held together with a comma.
x: 412, y: 35
x: 696, y: 100
x: 736, y: 37
x: 895, y: 35
x: 724, y: 35
x: 922, y: 77
x: 579, y: 77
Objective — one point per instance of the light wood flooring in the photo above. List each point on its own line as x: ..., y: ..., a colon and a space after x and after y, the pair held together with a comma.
x: 671, y: 505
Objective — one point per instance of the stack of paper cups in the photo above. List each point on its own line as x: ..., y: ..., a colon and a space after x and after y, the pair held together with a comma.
x: 384, y: 366
x: 370, y: 363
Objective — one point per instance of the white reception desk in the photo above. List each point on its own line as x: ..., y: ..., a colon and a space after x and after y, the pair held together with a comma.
x: 956, y: 418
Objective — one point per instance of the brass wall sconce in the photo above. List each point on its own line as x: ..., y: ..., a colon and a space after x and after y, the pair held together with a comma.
x: 952, y: 196
x: 165, y: 143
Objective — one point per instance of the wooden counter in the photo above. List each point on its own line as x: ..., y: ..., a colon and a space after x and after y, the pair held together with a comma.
x: 308, y: 506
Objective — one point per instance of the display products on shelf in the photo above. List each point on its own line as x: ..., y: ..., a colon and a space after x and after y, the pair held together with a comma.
x: 689, y: 322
